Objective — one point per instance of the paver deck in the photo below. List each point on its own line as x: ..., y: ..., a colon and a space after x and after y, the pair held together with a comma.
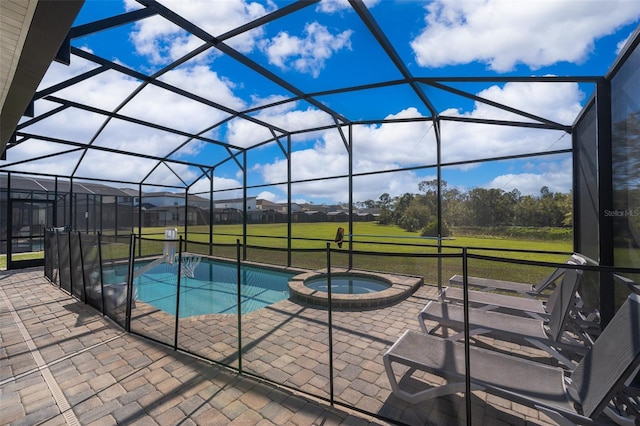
x: 62, y: 362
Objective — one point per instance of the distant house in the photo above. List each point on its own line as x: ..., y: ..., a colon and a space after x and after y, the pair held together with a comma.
x: 366, y: 215
x: 309, y: 216
x: 363, y: 217
x: 315, y: 208
x: 337, y: 216
x: 236, y: 203
x: 262, y: 204
x: 227, y: 216
x: 167, y: 199
x: 95, y: 206
x: 98, y: 207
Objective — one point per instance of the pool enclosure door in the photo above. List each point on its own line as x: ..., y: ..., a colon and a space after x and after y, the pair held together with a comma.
x: 26, y: 225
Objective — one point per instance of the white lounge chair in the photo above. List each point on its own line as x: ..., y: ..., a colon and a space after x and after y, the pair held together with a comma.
x: 548, y: 335
x: 599, y: 384
x: 512, y: 304
x: 528, y: 290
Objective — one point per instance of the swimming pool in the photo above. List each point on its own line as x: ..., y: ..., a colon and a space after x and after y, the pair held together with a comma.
x: 213, y: 289
x: 345, y: 284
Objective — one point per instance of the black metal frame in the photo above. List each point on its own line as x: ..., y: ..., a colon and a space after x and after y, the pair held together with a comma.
x: 237, y: 154
x: 463, y: 255
x: 25, y: 263
x: 152, y: 8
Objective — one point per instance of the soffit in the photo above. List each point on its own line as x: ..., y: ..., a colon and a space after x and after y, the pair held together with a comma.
x: 31, y: 34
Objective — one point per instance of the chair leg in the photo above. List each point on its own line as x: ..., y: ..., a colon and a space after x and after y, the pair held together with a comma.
x: 433, y: 392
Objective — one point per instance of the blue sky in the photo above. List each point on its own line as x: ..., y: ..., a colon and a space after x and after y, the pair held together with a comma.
x: 323, y: 47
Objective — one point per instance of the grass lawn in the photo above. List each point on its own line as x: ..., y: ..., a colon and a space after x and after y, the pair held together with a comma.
x: 365, y: 234
x: 21, y: 256
x: 387, y: 240
x: 388, y: 248
x: 374, y: 247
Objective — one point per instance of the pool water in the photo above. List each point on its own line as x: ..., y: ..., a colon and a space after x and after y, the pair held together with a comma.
x: 347, y: 285
x: 213, y: 289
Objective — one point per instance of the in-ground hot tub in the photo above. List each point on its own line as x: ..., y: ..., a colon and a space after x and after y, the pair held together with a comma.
x: 351, y: 289
x: 348, y: 284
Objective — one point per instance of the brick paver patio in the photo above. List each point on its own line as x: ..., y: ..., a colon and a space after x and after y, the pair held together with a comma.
x: 62, y: 362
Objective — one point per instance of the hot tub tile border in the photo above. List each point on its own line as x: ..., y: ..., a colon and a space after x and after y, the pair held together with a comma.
x: 402, y: 286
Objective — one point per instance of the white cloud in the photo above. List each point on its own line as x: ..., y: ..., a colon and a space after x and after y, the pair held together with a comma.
x: 219, y: 183
x: 257, y: 101
x: 108, y: 91
x: 559, y: 102
x: 53, y: 164
x: 621, y: 44
x: 269, y: 196
x: 57, y: 72
x: 172, y: 110
x: 162, y: 41
x: 70, y: 124
x: 129, y: 168
x: 376, y: 147
x: 365, y: 187
x: 556, y: 176
x: 307, y: 54
x: 105, y: 90
x: 504, y: 33
x: 390, y: 145
x: 332, y: 6
x: 245, y: 133
x: 396, y: 145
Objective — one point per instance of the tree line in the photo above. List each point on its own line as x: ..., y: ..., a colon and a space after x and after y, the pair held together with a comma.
x: 476, y: 207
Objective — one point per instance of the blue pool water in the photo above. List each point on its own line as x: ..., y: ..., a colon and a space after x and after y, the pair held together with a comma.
x: 213, y: 290
x: 347, y: 284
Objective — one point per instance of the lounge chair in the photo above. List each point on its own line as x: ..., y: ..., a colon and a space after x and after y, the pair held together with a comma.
x: 517, y: 305
x: 528, y: 290
x: 548, y: 335
x: 599, y: 384
x: 631, y: 285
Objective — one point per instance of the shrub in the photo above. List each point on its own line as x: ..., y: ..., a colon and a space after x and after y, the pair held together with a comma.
x: 431, y: 230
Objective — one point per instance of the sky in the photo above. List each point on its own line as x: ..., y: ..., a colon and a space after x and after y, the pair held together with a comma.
x: 323, y: 47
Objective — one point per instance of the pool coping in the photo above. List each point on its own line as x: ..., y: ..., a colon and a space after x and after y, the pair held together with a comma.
x: 401, y: 287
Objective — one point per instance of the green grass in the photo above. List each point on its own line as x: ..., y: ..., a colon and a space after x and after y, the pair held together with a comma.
x: 367, y: 236
x: 382, y: 239
x: 21, y: 256
x: 387, y: 249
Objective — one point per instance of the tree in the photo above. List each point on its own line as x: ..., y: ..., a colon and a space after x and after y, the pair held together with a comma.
x: 369, y: 204
x: 566, y: 204
x: 490, y: 207
x: 401, y: 204
x: 386, y: 209
x: 430, y: 196
x: 525, y: 212
x: 552, y: 210
x: 480, y: 207
x: 455, y: 207
x: 415, y: 216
